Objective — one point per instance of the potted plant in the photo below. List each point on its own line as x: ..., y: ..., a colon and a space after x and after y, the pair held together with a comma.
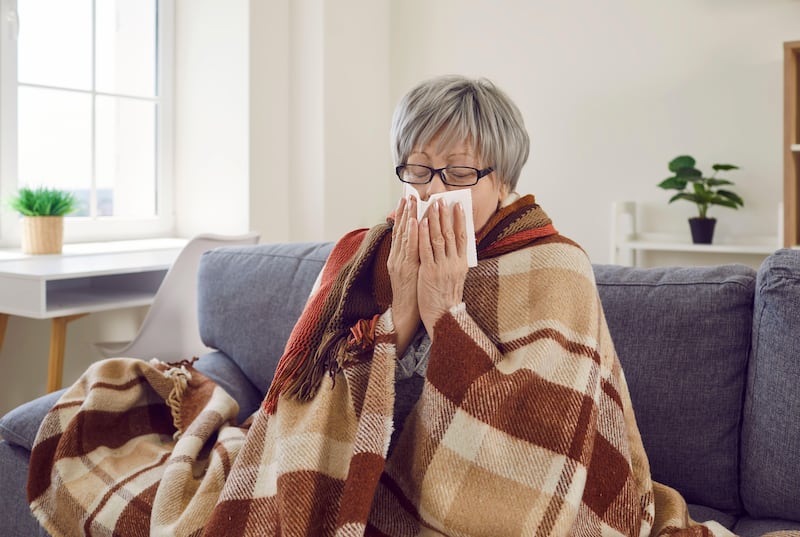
x: 43, y: 211
x: 703, y: 192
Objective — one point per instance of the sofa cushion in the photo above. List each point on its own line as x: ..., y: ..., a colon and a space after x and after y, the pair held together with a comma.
x: 771, y: 427
x: 249, y: 298
x: 683, y: 337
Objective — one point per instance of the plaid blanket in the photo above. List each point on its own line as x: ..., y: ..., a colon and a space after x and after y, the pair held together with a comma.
x: 524, y: 426
x: 133, y: 448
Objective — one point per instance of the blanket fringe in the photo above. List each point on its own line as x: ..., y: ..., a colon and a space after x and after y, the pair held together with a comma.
x: 362, y: 337
x: 180, y: 377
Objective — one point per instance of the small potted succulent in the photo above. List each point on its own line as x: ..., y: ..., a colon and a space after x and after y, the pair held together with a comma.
x: 702, y: 191
x: 42, y: 210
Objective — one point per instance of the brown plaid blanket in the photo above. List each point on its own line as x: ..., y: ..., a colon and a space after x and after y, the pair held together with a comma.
x: 524, y: 426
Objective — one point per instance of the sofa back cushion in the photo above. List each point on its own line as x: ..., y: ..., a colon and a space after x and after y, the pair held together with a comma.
x: 249, y: 298
x: 683, y: 337
x: 771, y: 428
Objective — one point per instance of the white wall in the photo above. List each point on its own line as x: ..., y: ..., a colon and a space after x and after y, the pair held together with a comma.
x: 269, y: 118
x: 338, y: 120
x: 359, y: 184
x: 212, y: 125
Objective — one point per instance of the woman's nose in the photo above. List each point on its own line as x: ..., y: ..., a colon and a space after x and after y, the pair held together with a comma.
x: 434, y: 187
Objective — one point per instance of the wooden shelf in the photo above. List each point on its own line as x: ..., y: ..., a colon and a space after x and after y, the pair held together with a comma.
x: 791, y: 143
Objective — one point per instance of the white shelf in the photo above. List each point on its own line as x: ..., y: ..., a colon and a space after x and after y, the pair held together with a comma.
x: 677, y: 246
x: 627, y: 240
x: 63, y: 303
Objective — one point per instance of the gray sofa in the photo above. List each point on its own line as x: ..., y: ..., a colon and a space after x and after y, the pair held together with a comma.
x: 712, y: 358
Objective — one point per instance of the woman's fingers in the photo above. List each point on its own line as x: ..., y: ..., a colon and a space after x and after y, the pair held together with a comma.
x: 439, y: 226
x: 460, y: 230
x: 445, y: 232
x: 403, y: 266
x: 443, y: 263
x: 404, y: 221
x: 399, y: 218
x: 403, y: 253
x: 412, y: 235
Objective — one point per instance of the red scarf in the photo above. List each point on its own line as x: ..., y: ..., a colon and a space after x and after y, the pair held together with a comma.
x: 337, y: 326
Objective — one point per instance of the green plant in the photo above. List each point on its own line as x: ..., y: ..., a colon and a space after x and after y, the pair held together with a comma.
x: 43, y: 201
x: 705, y: 191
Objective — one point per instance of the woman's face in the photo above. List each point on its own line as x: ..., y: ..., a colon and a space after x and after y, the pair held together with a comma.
x: 486, y: 194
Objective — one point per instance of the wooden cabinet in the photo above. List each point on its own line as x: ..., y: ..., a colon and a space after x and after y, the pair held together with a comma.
x: 791, y: 142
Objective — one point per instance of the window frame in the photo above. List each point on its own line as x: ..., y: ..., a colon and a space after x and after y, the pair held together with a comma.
x: 86, y: 229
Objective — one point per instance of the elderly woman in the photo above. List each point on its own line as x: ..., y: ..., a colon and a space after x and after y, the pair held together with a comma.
x: 417, y: 395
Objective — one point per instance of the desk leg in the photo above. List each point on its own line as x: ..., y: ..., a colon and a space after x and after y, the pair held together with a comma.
x: 58, y: 340
x: 3, y: 323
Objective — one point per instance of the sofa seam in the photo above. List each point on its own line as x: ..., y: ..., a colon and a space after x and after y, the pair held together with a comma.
x: 673, y: 284
x: 747, y: 412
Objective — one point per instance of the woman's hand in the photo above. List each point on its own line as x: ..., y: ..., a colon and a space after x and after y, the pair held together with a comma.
x: 403, y: 266
x: 443, y: 262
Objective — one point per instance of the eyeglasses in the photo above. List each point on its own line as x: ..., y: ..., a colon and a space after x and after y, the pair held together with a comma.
x: 417, y: 174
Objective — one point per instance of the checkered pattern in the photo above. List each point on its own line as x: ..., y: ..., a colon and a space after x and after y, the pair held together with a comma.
x: 524, y: 427
x: 109, y: 459
x: 520, y: 429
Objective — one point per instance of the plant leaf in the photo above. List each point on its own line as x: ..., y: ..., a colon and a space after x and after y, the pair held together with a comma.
x: 673, y: 183
x: 724, y: 202
x: 713, y: 181
x: 702, y: 192
x: 43, y: 201
x: 732, y: 196
x: 688, y: 172
x: 685, y: 196
x: 683, y: 161
x: 724, y: 167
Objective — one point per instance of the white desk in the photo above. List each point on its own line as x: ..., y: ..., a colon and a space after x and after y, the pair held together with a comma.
x: 85, y: 278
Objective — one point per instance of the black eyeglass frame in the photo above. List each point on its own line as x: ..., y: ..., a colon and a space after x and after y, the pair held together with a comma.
x: 480, y: 174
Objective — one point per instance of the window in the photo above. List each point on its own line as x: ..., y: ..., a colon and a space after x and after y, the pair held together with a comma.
x: 85, y: 107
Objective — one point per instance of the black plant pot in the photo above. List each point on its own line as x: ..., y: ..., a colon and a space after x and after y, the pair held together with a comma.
x: 702, y: 229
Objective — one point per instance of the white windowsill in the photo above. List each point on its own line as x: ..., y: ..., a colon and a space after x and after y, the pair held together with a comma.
x: 105, y: 247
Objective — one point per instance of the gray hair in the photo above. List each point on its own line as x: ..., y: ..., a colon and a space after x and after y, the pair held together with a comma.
x: 461, y: 109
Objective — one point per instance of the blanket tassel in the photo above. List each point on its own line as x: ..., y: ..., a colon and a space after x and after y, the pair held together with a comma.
x: 180, y: 377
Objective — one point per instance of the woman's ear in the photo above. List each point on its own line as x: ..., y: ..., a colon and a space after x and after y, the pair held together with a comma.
x: 502, y: 192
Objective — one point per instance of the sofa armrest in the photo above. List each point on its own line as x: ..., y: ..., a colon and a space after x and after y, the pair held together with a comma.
x: 19, y: 427
x: 770, y: 431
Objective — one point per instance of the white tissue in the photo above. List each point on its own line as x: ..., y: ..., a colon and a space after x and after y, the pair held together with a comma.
x: 451, y: 197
